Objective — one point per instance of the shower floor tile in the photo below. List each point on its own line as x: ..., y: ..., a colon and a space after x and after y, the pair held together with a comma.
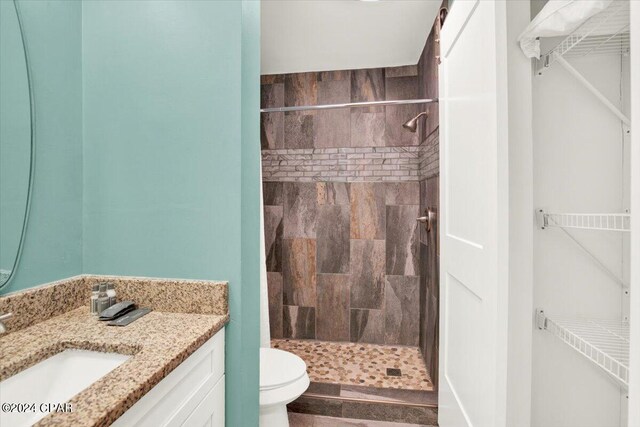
x: 371, y: 365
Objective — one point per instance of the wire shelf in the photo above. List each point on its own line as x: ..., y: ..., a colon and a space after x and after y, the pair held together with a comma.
x: 606, y: 222
x: 604, y: 342
x: 604, y: 33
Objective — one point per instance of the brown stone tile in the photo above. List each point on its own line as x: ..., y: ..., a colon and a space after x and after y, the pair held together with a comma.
x: 299, y: 272
x: 333, y: 239
x: 367, y: 128
x: 317, y: 406
x: 300, y: 89
x: 368, y: 85
x: 326, y: 76
x: 300, y: 209
x: 272, y: 193
x: 402, y: 193
x: 402, y: 310
x: 396, y: 115
x: 368, y: 219
x: 402, y: 71
x: 274, y: 284
x: 367, y: 272
x: 271, y: 131
x: 298, y: 322
x: 325, y: 389
x: 333, y: 127
x: 333, y: 193
x: 273, y: 237
x: 271, y: 78
x: 272, y: 95
x: 332, y: 322
x: 299, y: 130
x: 392, y: 395
x: 272, y: 124
x: 402, y: 240
x: 395, y: 413
x: 367, y: 326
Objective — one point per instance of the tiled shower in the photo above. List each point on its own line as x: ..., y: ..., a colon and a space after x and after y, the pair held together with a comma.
x: 347, y: 260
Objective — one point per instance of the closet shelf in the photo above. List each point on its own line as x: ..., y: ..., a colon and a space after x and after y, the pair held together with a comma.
x: 604, y: 342
x: 606, y: 222
x: 604, y: 33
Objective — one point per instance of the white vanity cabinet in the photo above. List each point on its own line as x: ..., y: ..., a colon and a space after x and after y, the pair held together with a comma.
x: 191, y: 395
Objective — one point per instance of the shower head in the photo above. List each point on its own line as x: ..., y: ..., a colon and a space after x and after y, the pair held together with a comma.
x: 412, y: 125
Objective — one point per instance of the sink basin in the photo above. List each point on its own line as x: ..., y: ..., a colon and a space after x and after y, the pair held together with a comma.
x: 52, y: 381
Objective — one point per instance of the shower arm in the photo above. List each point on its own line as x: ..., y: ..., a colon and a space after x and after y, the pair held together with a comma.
x: 348, y: 105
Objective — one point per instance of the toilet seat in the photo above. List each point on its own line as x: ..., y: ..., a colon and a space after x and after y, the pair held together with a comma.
x: 279, y: 369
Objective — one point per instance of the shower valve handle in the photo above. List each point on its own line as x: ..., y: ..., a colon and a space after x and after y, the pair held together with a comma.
x: 427, y: 220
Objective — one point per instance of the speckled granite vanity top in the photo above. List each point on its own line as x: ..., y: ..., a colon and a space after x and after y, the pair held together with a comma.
x: 158, y: 342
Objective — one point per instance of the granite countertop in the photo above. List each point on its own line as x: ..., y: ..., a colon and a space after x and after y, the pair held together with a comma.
x: 158, y: 343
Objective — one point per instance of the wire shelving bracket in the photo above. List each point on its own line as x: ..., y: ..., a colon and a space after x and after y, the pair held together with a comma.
x: 603, y: 342
x: 605, y: 222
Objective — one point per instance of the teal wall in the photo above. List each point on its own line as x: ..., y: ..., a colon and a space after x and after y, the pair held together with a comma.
x: 53, y: 245
x: 171, y: 157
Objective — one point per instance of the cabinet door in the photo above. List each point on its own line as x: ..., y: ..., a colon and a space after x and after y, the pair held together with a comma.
x: 474, y: 203
x: 210, y: 412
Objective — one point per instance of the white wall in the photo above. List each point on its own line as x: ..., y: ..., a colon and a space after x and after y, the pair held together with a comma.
x: 578, y: 167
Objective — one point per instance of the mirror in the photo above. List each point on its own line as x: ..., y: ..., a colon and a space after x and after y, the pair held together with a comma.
x: 16, y: 149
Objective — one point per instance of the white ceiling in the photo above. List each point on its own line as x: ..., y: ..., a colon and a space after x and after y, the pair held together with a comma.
x: 321, y: 35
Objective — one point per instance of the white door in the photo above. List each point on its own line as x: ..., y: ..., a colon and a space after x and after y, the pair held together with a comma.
x: 474, y: 203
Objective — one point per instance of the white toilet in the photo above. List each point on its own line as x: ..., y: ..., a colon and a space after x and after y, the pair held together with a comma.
x: 283, y: 378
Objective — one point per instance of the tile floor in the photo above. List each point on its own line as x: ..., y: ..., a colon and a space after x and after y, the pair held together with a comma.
x: 306, y: 420
x: 361, y: 364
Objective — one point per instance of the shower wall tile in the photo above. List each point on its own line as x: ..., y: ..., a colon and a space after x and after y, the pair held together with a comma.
x: 402, y: 240
x: 342, y: 192
x: 402, y: 313
x: 299, y: 130
x: 268, y: 79
x: 273, y: 237
x: 402, y: 193
x: 333, y: 193
x: 367, y: 273
x: 300, y: 89
x: 432, y: 325
x: 333, y: 239
x: 395, y: 116
x: 332, y: 321
x: 272, y: 95
x: 367, y: 128
x: 389, y: 164
x: 429, y: 198
x: 428, y: 70
x: 326, y: 76
x: 368, y: 85
x: 403, y: 71
x: 299, y: 272
x: 333, y: 126
x: 272, y: 124
x: 272, y: 131
x: 300, y: 209
x: 424, y: 265
x: 272, y: 193
x: 367, y: 326
x: 274, y: 290
x: 299, y: 322
x: 367, y: 210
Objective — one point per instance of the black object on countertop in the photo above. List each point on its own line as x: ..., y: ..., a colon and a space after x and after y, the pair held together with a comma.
x: 117, y: 310
x: 131, y: 316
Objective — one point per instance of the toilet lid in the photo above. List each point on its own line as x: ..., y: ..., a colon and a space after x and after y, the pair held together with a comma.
x: 279, y: 368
